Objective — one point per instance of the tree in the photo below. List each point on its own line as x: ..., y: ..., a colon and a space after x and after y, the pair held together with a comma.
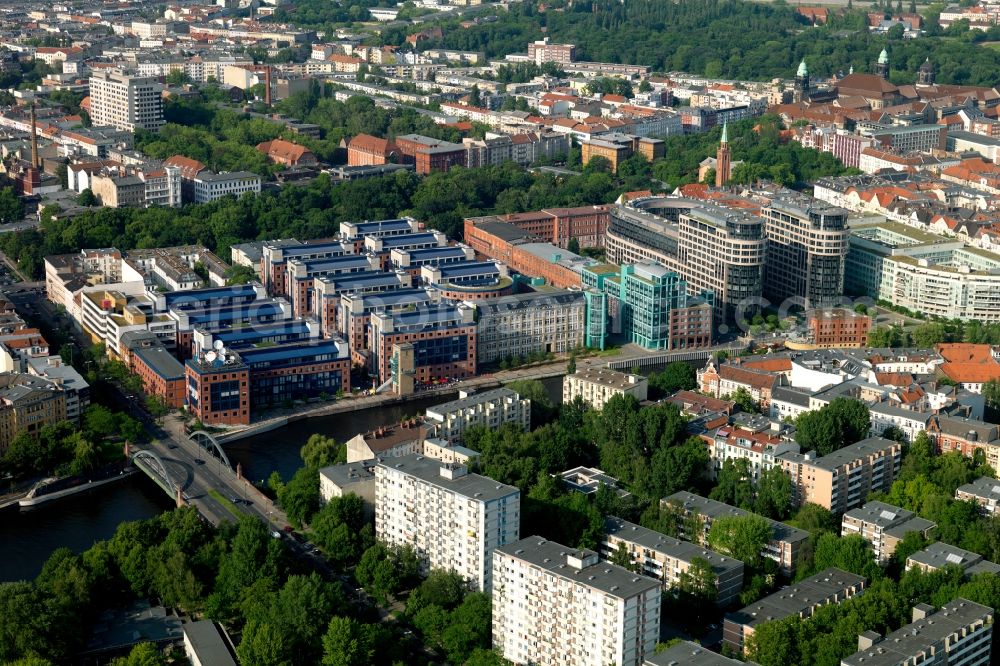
x: 143, y: 654
x: 475, y: 98
x: 177, y: 77
x: 571, y: 364
x: 677, y: 376
x: 542, y: 409
x: 744, y: 400
x: 240, y: 274
x: 320, y: 451
x: 774, y: 494
x: 850, y: 553
x: 11, y: 208
x: 87, y: 198
x: 734, y: 484
x: 300, y: 496
x: 344, y: 645
x: 844, y: 421
x: 740, y: 537
x: 377, y: 573
x: 573, y: 245
x: 262, y: 645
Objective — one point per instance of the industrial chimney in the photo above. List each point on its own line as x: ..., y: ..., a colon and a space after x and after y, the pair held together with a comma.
x: 35, y: 162
x: 267, y: 85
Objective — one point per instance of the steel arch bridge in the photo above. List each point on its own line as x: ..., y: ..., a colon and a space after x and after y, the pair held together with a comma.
x: 154, y: 467
x: 206, y: 441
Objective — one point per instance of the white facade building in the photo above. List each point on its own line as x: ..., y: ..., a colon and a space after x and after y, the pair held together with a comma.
x: 210, y: 186
x: 452, y: 518
x: 598, y: 385
x: 125, y: 102
x: 555, y: 605
x: 491, y: 409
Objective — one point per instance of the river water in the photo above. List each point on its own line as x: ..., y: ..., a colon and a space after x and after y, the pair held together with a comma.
x: 28, y: 537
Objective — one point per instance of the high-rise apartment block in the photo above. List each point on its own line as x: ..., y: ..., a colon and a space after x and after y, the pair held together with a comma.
x: 124, y: 101
x: 554, y: 605
x: 806, y: 249
x: 842, y: 480
x: 452, y: 518
x: 543, y: 51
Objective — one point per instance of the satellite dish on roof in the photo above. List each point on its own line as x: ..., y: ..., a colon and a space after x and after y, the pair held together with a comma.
x: 218, y: 344
x: 210, y: 356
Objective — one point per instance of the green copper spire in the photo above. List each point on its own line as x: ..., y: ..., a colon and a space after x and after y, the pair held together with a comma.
x: 883, y: 58
x: 803, y: 70
x: 725, y: 133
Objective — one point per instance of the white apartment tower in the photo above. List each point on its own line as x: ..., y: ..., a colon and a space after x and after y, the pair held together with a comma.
x: 125, y: 102
x: 554, y: 605
x: 452, y: 518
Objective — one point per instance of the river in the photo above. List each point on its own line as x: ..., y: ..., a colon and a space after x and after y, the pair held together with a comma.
x: 27, y: 538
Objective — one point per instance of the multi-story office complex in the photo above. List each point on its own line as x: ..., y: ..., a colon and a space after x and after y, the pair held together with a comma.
x: 984, y: 491
x: 883, y: 526
x: 785, y: 541
x: 276, y: 256
x: 830, y: 586
x: 842, y: 480
x: 469, y: 280
x: 960, y: 633
x: 538, y: 322
x: 28, y: 404
x: 666, y: 559
x: 923, y: 272
x: 713, y: 248
x: 443, y: 339
x: 650, y: 305
x: 490, y: 409
x: 722, y: 251
x: 554, y: 605
x: 806, y: 247
x: 455, y: 520
x: 125, y: 102
x: 595, y: 386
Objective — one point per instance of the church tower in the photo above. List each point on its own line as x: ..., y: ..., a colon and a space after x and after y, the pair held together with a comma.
x: 882, y: 66
x: 723, y: 160
x: 802, y: 82
x: 925, y: 75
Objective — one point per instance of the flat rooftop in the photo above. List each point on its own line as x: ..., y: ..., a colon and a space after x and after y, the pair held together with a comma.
x: 472, y: 401
x: 986, y: 487
x: 610, y: 378
x: 848, y: 454
x: 550, y: 556
x: 829, y: 585
x: 916, y: 638
x: 160, y: 361
x: 714, y: 509
x: 429, y: 470
x: 677, y: 548
x: 687, y: 653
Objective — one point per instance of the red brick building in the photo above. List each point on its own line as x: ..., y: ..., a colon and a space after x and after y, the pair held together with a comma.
x: 429, y: 155
x: 161, y: 373
x: 586, y: 224
x: 838, y: 327
x: 503, y: 241
x: 287, y: 153
x: 443, y: 337
x: 368, y: 150
x: 220, y: 392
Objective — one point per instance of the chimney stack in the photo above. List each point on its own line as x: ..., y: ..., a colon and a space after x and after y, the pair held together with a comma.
x: 267, y: 85
x: 35, y: 162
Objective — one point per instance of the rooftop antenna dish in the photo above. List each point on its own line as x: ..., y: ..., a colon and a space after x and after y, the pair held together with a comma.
x: 218, y: 344
x: 210, y: 357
